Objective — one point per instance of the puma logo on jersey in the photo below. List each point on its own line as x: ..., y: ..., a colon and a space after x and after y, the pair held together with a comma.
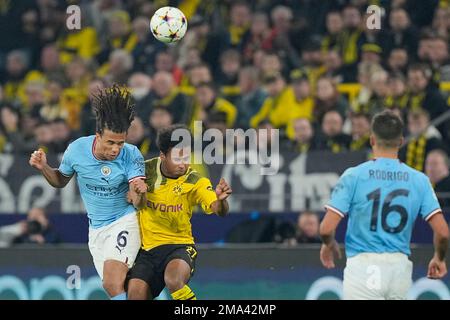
x: 164, y: 208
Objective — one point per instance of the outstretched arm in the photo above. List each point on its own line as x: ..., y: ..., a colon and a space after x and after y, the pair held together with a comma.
x: 54, y: 177
x: 223, y: 191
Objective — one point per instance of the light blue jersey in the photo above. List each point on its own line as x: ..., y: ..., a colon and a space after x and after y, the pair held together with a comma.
x: 382, y: 199
x: 103, y: 184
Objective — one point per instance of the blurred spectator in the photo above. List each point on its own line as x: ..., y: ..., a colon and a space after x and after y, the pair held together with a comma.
x: 196, y: 74
x: 9, y: 232
x: 16, y: 69
x: 165, y: 61
x: 398, y: 60
x: 423, y: 94
x: 374, y: 100
x: 118, y: 68
x: 207, y: 102
x: 210, y: 44
x: 424, y: 138
x: 261, y: 36
x: 360, y: 132
x: 313, y: 61
x: 336, y: 70
x: 440, y: 59
x: 437, y: 169
x: 402, y: 33
x: 38, y: 229
x: 304, y: 140
x: 398, y: 95
x: 273, y: 108
x: 12, y: 139
x: 140, y: 86
x: 167, y: 94
x: 62, y: 135
x: 333, y: 38
x: 227, y: 77
x: 328, y: 98
x: 72, y: 44
x: 160, y: 118
x: 285, y: 233
x: 441, y: 22
x: 270, y: 64
x: 371, y: 53
x: 333, y: 138
x: 352, y: 39
x: 287, y: 38
x: 251, y: 97
x: 136, y: 136
x: 239, y: 26
x: 45, y: 136
x: 299, y: 105
x: 87, y: 117
x: 120, y: 35
x: 146, y: 48
x: 308, y: 227
x: 425, y: 46
x: 52, y: 107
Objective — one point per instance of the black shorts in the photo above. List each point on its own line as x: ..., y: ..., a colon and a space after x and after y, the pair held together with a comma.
x: 149, y: 266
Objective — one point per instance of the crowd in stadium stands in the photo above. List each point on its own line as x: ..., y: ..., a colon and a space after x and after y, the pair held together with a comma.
x: 36, y: 229
x: 310, y: 68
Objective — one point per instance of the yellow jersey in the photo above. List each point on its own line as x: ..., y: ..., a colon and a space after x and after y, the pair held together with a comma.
x: 166, y: 218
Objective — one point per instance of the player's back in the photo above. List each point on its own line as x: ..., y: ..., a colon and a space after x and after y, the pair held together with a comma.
x: 384, y: 198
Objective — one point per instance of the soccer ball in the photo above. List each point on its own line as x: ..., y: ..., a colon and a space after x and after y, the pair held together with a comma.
x: 168, y: 24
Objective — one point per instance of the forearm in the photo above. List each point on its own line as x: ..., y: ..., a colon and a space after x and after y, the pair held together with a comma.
x: 54, y: 177
x: 220, y: 207
x: 139, y: 201
x: 440, y: 246
x: 328, y: 237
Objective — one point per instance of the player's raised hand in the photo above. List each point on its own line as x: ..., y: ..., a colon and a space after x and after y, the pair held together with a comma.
x: 38, y: 159
x: 437, y: 269
x: 328, y: 253
x: 223, y: 190
x: 139, y: 186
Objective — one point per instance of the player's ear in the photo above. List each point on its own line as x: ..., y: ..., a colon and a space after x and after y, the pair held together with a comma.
x: 162, y: 156
x: 402, y: 140
x: 372, y: 140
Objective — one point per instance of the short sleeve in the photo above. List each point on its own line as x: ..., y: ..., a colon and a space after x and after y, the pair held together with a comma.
x: 204, y: 195
x: 430, y: 204
x: 135, y: 165
x: 342, y: 194
x: 66, y: 166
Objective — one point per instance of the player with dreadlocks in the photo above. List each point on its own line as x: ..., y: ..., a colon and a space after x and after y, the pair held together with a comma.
x: 106, y: 168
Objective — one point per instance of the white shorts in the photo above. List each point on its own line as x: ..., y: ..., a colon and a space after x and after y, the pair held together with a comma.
x: 377, y: 276
x: 118, y: 241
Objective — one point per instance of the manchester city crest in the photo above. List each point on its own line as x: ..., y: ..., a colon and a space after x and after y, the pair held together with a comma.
x: 106, y: 171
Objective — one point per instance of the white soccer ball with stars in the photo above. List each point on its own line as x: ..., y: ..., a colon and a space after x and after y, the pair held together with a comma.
x: 168, y: 24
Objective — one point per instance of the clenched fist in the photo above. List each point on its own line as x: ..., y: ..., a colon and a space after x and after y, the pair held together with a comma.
x: 38, y: 159
x: 223, y: 190
x: 139, y: 186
